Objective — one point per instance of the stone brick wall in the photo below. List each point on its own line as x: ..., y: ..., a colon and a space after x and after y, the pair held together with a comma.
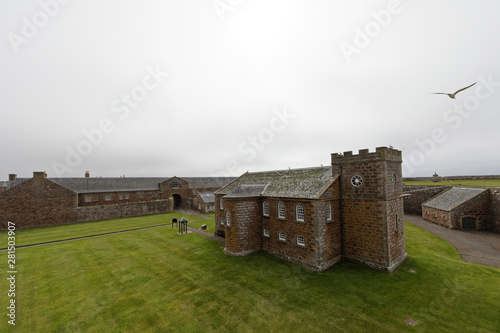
x: 494, y: 224
x: 243, y: 235
x: 365, y: 232
x: 106, y: 212
x: 115, y: 198
x: 416, y: 195
x: 437, y: 216
x: 329, y: 233
x: 289, y: 249
x: 37, y: 202
x: 477, y: 207
x: 370, y: 211
x: 395, y: 232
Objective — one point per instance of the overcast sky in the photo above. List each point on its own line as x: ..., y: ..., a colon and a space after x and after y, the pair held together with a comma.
x: 205, y: 88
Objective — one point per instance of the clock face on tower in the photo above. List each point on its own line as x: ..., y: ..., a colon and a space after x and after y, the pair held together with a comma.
x: 357, y: 181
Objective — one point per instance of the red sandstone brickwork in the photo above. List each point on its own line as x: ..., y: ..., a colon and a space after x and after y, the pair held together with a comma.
x: 190, y: 199
x: 477, y: 207
x: 370, y: 211
x: 365, y: 231
x: 289, y: 249
x: 243, y: 235
x: 116, y: 198
x: 329, y: 233
x: 96, y: 213
x: 395, y: 230
x: 37, y: 202
x: 437, y: 216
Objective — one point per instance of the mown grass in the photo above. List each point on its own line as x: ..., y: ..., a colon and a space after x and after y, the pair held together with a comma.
x: 467, y: 183
x: 61, y: 232
x: 154, y: 280
x: 210, y: 225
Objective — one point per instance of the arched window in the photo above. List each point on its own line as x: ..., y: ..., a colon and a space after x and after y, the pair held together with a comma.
x: 329, y: 212
x: 228, y: 218
x: 221, y: 203
x: 265, y: 208
x: 299, y: 212
x: 281, y: 210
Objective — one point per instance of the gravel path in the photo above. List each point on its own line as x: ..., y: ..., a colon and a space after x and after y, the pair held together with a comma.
x: 479, y: 247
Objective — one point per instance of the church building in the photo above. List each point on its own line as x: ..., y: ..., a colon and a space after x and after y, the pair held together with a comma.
x: 317, y: 217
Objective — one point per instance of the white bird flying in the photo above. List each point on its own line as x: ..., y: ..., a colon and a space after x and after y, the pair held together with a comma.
x: 456, y: 92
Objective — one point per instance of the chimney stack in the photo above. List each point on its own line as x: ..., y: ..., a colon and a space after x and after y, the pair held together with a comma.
x: 87, y: 174
x: 39, y: 174
x: 12, y: 177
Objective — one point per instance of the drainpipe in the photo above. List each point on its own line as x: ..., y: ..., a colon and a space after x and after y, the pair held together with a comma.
x: 342, y: 238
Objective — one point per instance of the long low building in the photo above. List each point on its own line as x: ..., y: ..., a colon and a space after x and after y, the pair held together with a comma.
x: 41, y: 201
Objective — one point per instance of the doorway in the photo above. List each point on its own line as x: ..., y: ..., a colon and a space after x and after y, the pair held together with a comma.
x: 469, y: 223
x: 177, y: 201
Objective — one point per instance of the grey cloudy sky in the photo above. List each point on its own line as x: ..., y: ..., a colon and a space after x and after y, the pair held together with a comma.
x: 204, y: 87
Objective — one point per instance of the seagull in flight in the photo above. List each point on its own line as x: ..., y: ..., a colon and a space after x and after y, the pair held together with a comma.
x: 456, y: 92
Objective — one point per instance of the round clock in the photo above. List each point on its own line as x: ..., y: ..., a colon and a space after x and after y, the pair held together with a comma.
x: 357, y: 181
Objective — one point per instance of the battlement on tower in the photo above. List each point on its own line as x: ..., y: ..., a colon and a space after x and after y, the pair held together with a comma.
x: 364, y: 155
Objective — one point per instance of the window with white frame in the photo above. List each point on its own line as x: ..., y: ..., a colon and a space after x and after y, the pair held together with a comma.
x: 265, y: 208
x: 228, y: 218
x: 282, y: 236
x: 329, y: 212
x: 107, y: 197
x: 299, y: 213
x: 281, y: 210
x: 221, y: 203
x: 221, y: 221
x: 175, y: 184
x: 126, y: 196
x: 208, y: 207
x: 88, y: 198
x: 301, y: 241
x: 121, y: 196
x: 266, y: 232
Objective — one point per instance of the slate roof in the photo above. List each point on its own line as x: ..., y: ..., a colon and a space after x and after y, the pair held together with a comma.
x: 207, y: 197
x: 453, y: 198
x: 206, y: 182
x: 96, y: 185
x: 306, y: 183
x: 246, y: 191
x: 118, y: 184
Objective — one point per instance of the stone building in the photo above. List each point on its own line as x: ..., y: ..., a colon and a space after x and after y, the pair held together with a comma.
x: 459, y: 208
x: 184, y: 191
x: 42, y: 201
x: 319, y: 216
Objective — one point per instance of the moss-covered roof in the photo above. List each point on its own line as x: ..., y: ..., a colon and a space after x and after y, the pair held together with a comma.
x: 306, y: 183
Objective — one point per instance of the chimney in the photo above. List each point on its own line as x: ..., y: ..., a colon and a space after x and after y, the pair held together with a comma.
x: 12, y: 177
x: 39, y: 174
x: 87, y: 174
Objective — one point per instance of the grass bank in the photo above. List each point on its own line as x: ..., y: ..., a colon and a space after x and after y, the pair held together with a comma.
x: 154, y: 280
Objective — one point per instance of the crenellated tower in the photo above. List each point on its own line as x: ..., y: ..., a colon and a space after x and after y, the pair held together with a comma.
x: 372, y: 207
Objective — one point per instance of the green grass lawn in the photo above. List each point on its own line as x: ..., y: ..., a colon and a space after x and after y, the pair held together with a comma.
x: 60, y: 232
x: 154, y: 280
x: 468, y: 183
x: 210, y: 225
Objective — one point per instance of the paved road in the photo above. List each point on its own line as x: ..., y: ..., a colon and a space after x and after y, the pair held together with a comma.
x: 480, y: 247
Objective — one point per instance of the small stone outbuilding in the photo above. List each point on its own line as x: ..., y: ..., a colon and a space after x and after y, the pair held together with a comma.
x: 459, y: 208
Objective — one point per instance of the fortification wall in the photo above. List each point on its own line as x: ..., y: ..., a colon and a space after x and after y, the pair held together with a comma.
x: 415, y: 195
x: 494, y: 224
x: 106, y: 212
